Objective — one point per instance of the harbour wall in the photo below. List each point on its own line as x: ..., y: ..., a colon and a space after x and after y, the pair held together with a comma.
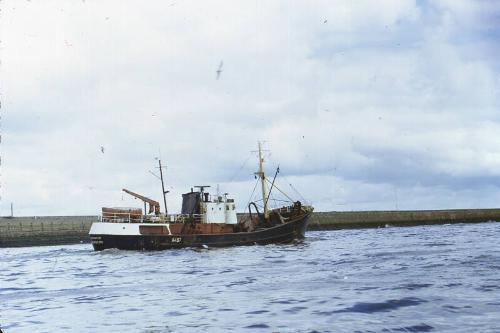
x: 399, y: 218
x: 55, y: 230
x: 44, y: 230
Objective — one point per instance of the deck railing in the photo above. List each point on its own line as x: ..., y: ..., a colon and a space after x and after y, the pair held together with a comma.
x: 119, y: 217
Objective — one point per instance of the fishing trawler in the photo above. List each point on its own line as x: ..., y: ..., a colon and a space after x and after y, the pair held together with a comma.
x: 205, y: 221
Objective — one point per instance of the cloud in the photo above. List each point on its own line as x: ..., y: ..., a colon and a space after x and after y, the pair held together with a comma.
x: 356, y: 101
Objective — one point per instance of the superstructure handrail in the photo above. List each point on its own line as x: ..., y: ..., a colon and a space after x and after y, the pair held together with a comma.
x: 125, y: 217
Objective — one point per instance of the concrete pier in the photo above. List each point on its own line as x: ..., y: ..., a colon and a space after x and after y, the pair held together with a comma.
x: 54, y: 230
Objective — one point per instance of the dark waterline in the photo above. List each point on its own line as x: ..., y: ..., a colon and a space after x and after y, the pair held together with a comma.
x: 418, y: 279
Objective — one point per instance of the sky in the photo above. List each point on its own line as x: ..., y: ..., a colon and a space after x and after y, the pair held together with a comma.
x: 364, y: 105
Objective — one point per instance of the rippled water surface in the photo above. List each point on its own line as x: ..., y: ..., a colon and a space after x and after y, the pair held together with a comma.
x: 419, y: 279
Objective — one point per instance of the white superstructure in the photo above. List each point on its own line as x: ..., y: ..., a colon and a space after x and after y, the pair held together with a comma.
x: 198, y: 207
x: 220, y: 210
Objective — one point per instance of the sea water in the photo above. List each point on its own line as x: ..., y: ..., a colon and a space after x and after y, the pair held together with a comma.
x: 416, y: 279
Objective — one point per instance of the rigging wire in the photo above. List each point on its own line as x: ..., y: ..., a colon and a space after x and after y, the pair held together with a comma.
x: 293, y: 188
x: 274, y: 200
x: 251, y: 195
x: 291, y: 200
x: 239, y: 170
x: 275, y: 186
x: 281, y: 200
x: 289, y: 183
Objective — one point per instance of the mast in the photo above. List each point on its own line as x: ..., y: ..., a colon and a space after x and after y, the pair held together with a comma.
x: 163, y: 188
x: 260, y: 173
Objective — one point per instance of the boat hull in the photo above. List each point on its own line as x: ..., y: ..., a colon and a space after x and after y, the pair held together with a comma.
x: 282, y: 233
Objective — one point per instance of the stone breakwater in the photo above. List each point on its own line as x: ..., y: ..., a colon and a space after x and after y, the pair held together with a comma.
x: 44, y: 230
x: 399, y: 218
x: 55, y: 230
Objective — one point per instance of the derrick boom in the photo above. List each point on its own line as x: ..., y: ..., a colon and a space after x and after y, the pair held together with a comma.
x: 154, y: 206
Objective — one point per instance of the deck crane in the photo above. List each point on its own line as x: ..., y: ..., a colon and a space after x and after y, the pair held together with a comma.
x: 154, y: 206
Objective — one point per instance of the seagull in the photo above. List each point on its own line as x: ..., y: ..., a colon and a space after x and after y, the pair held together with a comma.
x: 102, y: 149
x: 219, y: 70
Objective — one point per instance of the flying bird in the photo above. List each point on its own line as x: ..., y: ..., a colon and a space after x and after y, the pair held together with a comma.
x: 219, y: 70
x: 102, y: 149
